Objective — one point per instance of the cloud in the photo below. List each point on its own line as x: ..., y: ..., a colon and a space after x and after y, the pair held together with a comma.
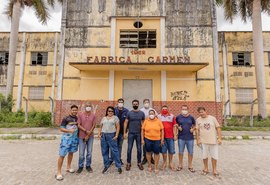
x: 29, y: 22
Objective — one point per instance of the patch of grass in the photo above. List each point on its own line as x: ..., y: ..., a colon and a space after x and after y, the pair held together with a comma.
x: 245, y: 137
x: 12, y: 137
x: 238, y: 128
x: 244, y: 121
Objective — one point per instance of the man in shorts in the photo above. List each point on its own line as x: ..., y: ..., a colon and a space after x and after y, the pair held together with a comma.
x: 208, y: 138
x: 69, y: 141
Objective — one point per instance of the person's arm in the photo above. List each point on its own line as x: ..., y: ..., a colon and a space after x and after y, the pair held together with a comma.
x: 80, y: 125
x: 117, y: 125
x: 198, y: 134
x: 219, y: 135
x: 162, y: 136
x: 193, y: 127
x: 92, y: 128
x: 63, y: 127
x: 142, y: 133
x: 100, y: 129
x: 125, y: 128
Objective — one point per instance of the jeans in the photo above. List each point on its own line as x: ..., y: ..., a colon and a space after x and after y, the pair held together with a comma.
x: 107, y: 143
x: 188, y: 143
x: 131, y: 138
x: 168, y: 146
x: 88, y: 146
x: 120, y: 141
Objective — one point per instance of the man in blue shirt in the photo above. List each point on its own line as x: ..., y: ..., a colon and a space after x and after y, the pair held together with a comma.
x: 186, y: 126
x: 121, y: 112
x: 133, y: 124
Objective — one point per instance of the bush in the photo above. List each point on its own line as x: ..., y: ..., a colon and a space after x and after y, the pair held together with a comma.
x: 39, y: 119
x: 245, y: 122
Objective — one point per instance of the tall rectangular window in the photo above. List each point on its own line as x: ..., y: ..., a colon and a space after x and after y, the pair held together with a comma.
x: 138, y: 39
x: 36, y: 93
x: 242, y: 59
x: 39, y: 58
x: 244, y: 95
x: 3, y: 57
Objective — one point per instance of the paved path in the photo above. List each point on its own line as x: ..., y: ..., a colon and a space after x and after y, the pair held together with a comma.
x: 33, y: 162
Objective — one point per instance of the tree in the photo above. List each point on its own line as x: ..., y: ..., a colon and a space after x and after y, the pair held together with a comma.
x: 252, y: 9
x: 14, y: 10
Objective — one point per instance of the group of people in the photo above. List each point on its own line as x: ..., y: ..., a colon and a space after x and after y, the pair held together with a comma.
x: 153, y: 133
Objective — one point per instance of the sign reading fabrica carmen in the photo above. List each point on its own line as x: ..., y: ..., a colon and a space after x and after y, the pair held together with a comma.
x: 128, y: 60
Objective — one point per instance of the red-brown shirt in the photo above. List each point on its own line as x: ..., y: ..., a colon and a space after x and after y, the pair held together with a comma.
x: 168, y: 123
x: 87, y: 122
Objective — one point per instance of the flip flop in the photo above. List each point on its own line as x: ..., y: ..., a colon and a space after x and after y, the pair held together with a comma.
x: 70, y: 170
x: 179, y: 168
x: 59, y: 177
x: 216, y: 174
x: 204, y: 172
x: 149, y: 169
x: 191, y: 170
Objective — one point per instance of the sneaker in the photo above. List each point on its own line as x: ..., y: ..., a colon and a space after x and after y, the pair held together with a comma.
x: 89, y: 169
x: 105, y: 170
x: 121, y: 162
x: 119, y: 170
x: 140, y: 166
x: 128, y: 167
x: 79, y: 170
x: 144, y: 161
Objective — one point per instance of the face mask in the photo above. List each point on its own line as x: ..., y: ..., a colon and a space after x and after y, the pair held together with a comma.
x: 146, y: 105
x: 135, y: 107
x: 165, y: 111
x: 88, y: 109
x: 151, y: 116
x: 120, y: 105
x: 185, y: 112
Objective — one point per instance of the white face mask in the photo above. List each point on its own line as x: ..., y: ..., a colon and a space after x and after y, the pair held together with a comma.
x: 120, y: 105
x: 88, y: 109
x: 146, y: 105
x: 185, y: 112
x: 151, y: 116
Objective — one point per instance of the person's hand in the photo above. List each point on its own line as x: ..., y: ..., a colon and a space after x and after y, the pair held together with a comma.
x: 162, y: 142
x: 125, y: 135
x: 71, y: 131
x: 99, y: 135
x: 143, y: 142
x: 219, y: 141
x: 88, y: 132
x: 175, y: 138
x: 192, y: 129
x: 199, y: 142
x: 86, y: 138
x: 115, y: 138
x: 180, y: 128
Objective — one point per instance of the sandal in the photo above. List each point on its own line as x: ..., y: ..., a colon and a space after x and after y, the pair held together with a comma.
x: 179, y: 168
x: 204, y: 172
x: 191, y: 170
x: 70, y: 170
x: 59, y: 177
x: 216, y: 174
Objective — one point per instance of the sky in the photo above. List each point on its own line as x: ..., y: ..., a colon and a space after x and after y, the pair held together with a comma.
x: 30, y: 23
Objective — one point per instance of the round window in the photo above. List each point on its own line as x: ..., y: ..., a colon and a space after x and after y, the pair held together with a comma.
x: 138, y: 24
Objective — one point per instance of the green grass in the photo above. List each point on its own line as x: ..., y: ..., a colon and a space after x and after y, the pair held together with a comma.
x: 237, y: 128
x: 245, y: 137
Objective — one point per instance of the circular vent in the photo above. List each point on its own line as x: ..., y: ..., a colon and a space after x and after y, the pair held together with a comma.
x: 138, y: 24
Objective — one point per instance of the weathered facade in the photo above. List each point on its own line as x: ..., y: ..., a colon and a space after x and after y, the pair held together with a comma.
x: 156, y: 49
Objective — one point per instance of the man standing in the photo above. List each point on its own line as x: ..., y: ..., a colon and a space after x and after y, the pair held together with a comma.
x: 121, y: 112
x: 69, y: 141
x: 168, y: 121
x: 186, y: 127
x: 208, y: 130
x: 145, y: 109
x: 133, y: 123
x: 86, y: 137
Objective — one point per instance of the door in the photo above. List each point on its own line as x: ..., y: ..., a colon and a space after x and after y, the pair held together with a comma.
x: 136, y: 89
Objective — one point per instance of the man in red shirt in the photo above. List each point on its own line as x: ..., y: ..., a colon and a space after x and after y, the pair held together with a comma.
x: 86, y: 124
x: 169, y: 124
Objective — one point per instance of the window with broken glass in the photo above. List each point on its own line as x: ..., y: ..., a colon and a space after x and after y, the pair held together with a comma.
x: 138, y: 39
x: 39, y: 58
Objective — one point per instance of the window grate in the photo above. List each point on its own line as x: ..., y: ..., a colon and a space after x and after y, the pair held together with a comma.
x: 242, y: 59
x: 244, y: 95
x: 36, y: 93
x: 138, y: 39
x: 39, y: 58
x: 3, y: 58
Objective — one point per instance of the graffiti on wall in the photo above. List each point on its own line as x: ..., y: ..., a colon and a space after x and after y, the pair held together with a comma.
x: 179, y: 95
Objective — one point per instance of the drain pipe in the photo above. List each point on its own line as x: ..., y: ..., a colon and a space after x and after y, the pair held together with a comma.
x: 26, y: 109
x: 52, y: 109
x: 251, y: 112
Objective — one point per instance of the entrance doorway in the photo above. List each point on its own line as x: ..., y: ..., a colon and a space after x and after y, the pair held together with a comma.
x: 136, y: 89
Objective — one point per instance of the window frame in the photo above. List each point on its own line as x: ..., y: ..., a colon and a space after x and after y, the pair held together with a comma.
x: 140, y: 39
x: 43, y: 61
x: 241, y: 59
x: 6, y: 53
x: 244, y: 97
x: 36, y: 97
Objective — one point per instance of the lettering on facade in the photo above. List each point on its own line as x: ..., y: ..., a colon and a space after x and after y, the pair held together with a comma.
x: 179, y: 95
x: 128, y: 59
